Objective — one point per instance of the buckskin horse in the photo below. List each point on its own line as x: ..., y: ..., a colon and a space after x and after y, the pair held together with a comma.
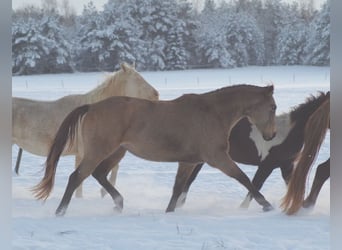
x: 248, y: 147
x: 191, y: 129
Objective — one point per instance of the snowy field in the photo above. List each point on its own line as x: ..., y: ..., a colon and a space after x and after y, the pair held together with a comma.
x: 211, y: 218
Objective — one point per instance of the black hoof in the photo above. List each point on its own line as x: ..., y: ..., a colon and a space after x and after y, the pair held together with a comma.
x: 60, y: 212
x: 169, y: 210
x: 267, y: 208
x: 308, y: 204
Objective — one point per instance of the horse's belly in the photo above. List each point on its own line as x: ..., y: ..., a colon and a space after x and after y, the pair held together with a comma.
x: 39, y: 147
x: 161, y: 154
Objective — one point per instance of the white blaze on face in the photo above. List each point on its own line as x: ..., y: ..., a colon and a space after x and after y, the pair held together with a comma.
x: 283, y: 124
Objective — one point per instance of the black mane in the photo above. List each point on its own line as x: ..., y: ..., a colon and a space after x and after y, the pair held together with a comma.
x: 312, y: 103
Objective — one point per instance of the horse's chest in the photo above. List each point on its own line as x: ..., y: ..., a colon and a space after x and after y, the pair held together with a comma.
x: 263, y: 147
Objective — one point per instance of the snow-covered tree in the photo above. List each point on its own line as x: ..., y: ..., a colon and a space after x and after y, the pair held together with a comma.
x: 180, y: 38
x: 54, y: 44
x: 228, y: 39
x: 26, y: 49
x: 318, y: 48
x: 38, y: 43
x: 292, y: 38
x: 291, y: 43
x: 271, y: 20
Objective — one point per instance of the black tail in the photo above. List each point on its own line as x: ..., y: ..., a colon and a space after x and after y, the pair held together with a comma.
x: 66, y: 132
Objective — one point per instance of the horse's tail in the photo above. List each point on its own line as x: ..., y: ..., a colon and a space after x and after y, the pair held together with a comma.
x: 66, y: 131
x: 315, y: 130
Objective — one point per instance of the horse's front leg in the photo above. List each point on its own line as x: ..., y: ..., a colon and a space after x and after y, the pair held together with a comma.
x: 223, y: 162
x: 17, y: 165
x: 263, y: 172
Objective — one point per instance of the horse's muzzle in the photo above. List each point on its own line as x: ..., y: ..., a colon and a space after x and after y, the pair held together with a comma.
x: 268, y: 138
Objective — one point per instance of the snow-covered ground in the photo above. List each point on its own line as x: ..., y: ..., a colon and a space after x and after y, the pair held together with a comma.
x: 211, y: 218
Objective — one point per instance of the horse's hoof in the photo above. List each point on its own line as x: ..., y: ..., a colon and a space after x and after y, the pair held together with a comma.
x: 267, y: 208
x: 60, y: 212
x: 181, y: 200
x: 308, y: 204
x: 244, y: 205
x: 118, y: 209
x: 169, y: 210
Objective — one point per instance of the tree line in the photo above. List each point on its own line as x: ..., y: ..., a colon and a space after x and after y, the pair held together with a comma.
x: 169, y: 35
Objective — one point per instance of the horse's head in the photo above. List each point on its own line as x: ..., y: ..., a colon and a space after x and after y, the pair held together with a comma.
x: 262, y: 114
x: 134, y: 84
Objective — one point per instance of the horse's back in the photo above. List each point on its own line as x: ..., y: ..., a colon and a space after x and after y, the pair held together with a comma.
x: 35, y: 122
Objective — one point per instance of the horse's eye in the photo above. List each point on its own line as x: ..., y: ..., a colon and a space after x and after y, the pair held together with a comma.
x: 273, y: 108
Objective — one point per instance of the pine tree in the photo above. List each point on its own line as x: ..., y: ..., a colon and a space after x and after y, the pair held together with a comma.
x: 26, y: 50
x: 292, y: 38
x: 318, y: 49
x: 38, y: 43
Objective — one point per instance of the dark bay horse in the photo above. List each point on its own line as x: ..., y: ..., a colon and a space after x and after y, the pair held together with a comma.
x: 248, y: 147
x: 191, y: 129
x: 315, y: 131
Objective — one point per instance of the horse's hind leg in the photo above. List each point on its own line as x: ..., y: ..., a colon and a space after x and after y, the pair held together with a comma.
x: 112, y: 178
x: 322, y: 174
x: 85, y: 168
x: 182, y: 198
x: 101, y: 172
x: 183, y: 173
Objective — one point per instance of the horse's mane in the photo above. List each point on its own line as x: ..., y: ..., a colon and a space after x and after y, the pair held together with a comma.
x: 102, y: 90
x: 109, y: 78
x: 311, y: 104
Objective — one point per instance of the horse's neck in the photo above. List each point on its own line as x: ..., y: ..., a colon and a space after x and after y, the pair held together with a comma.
x: 232, y: 104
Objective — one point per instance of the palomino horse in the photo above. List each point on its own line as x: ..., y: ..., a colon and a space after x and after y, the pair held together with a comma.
x: 35, y: 123
x: 248, y: 147
x: 315, y: 130
x: 190, y: 129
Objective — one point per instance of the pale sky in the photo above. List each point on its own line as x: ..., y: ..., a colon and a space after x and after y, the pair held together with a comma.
x: 78, y: 4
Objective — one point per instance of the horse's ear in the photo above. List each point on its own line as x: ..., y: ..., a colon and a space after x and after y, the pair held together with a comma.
x: 133, y: 65
x: 124, y: 67
x: 270, y: 90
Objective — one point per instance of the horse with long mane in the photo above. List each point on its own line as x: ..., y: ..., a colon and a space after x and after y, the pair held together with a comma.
x: 315, y: 131
x: 35, y: 123
x: 248, y: 147
x: 190, y: 129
